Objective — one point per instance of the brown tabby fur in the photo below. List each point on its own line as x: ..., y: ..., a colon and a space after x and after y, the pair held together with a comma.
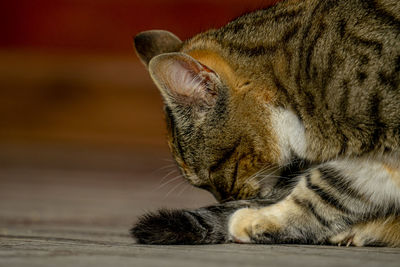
x: 335, y: 65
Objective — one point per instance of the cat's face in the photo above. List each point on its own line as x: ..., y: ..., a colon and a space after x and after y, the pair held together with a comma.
x: 217, y: 128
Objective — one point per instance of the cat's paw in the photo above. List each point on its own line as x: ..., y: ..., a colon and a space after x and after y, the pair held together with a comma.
x: 254, y: 225
x: 358, y: 236
x: 169, y: 227
x: 349, y: 238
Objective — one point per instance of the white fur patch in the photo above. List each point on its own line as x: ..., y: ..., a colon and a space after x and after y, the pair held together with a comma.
x: 290, y: 133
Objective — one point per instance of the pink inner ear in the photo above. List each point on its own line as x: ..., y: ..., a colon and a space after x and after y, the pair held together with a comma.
x: 189, y: 79
x: 183, y: 80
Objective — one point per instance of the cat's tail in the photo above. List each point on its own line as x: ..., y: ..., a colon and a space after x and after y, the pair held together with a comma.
x: 207, y: 225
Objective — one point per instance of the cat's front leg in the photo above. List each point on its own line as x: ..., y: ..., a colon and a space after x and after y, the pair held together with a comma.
x: 328, y: 200
x: 288, y: 221
x: 206, y: 225
x: 272, y: 224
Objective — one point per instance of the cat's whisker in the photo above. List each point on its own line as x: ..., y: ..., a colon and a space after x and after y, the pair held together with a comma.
x: 264, y: 170
x: 169, y: 166
x: 184, y: 189
x: 166, y: 175
x: 268, y: 173
x: 260, y: 182
x: 168, y: 182
x: 174, y: 188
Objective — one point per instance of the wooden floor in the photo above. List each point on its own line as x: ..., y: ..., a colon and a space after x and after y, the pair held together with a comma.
x: 74, y: 207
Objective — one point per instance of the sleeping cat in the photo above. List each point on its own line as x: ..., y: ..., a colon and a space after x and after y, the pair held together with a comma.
x: 290, y: 117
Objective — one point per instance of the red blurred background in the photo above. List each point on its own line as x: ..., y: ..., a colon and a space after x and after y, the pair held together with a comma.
x: 69, y: 75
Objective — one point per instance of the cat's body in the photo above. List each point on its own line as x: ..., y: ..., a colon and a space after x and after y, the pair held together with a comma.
x: 296, y: 105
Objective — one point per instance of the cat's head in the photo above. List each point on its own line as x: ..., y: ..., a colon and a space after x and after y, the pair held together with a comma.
x: 218, y: 128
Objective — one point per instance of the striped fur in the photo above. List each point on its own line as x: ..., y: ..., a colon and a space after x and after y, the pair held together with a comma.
x: 290, y: 117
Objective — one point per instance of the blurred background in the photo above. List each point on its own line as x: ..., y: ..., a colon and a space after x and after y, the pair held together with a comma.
x: 69, y: 74
x: 80, y: 121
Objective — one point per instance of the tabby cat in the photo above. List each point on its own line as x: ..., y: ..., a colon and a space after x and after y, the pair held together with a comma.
x: 290, y: 117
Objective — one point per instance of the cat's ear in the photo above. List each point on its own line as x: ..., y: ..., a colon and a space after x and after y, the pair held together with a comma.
x: 149, y: 44
x: 183, y: 81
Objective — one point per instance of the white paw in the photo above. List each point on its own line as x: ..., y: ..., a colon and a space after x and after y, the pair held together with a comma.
x: 239, y: 225
x: 247, y: 224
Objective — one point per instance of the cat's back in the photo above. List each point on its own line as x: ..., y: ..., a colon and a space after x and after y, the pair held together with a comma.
x: 336, y: 63
x: 255, y: 36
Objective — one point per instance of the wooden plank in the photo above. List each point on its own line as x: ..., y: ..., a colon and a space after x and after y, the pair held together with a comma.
x: 72, y: 216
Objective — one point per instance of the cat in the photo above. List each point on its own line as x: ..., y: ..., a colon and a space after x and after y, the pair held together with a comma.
x: 290, y: 117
